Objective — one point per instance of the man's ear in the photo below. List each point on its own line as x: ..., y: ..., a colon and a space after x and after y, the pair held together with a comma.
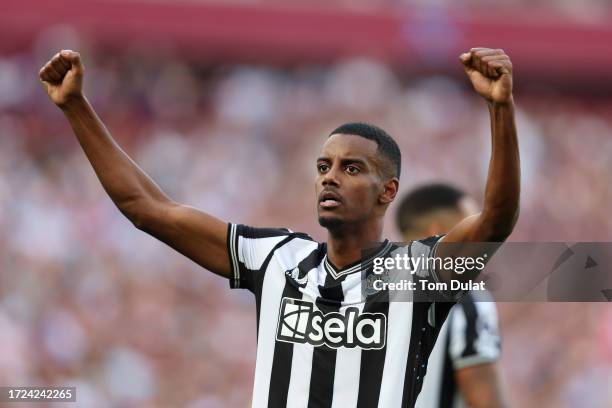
x: 390, y: 189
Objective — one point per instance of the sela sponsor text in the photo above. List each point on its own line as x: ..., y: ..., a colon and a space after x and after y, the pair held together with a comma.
x: 302, y: 322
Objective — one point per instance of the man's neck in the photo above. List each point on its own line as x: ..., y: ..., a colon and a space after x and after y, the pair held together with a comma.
x: 345, y: 246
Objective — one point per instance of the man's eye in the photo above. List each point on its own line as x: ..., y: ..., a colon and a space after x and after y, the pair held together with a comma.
x: 322, y: 168
x: 352, y: 169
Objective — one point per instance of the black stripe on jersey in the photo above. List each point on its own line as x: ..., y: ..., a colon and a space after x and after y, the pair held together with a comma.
x: 309, y: 263
x: 471, y: 316
x: 448, y: 386
x: 250, y: 232
x: 422, y: 340
x: 283, y: 351
x: 372, y: 361
x: 282, y: 360
x: 441, y: 311
x: 257, y: 286
x: 429, y: 241
x: 324, y: 357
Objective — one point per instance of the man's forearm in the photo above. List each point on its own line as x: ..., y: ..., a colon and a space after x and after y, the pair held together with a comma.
x: 502, y: 194
x: 126, y: 184
x: 480, y: 386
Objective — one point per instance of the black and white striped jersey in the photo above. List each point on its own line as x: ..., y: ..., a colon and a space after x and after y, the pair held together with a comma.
x: 470, y: 336
x: 320, y: 341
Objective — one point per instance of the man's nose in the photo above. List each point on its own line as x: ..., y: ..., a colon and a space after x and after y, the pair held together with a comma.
x: 331, y: 178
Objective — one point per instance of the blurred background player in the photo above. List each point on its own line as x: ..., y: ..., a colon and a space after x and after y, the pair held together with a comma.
x: 462, y: 369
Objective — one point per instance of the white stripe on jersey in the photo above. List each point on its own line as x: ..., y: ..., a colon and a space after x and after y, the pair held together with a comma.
x: 398, y: 335
x: 486, y: 343
x: 301, y: 369
x: 272, y: 291
x: 258, y: 250
x: 458, y: 324
x: 351, y: 287
x: 346, y: 376
x: 233, y: 256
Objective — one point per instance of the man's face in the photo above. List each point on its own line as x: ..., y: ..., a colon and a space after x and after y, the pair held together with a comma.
x: 348, y: 183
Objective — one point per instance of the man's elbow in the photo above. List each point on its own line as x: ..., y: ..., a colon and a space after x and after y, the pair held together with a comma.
x: 139, y: 211
x: 499, y: 228
x: 139, y: 221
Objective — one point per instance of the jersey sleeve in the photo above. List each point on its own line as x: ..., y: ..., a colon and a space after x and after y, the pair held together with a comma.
x: 422, y: 252
x: 474, y: 333
x: 425, y: 249
x: 249, y: 249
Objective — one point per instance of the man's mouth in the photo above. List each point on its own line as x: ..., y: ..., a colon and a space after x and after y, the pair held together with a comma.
x: 329, y: 203
x: 329, y: 199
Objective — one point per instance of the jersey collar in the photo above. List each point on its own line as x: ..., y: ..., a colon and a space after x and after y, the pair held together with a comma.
x: 355, y: 266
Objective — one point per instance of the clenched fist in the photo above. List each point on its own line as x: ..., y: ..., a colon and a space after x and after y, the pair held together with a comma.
x: 62, y: 77
x: 490, y: 72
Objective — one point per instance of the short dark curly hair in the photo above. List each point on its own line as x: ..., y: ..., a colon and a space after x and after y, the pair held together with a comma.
x: 425, y: 199
x: 387, y: 147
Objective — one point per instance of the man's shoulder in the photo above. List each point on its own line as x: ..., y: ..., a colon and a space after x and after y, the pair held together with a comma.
x: 428, y: 241
x: 298, y: 243
x: 248, y: 231
x: 416, y: 247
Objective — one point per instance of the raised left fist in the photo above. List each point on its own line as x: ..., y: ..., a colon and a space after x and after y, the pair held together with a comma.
x: 62, y: 77
x: 490, y: 71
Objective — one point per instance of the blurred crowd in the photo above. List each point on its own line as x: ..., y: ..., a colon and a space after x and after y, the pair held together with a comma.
x: 585, y: 10
x: 87, y: 300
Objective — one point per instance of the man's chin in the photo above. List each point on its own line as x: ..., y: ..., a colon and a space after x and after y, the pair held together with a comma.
x: 330, y: 223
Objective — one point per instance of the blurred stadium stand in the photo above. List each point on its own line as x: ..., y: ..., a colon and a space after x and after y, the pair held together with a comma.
x: 557, y: 42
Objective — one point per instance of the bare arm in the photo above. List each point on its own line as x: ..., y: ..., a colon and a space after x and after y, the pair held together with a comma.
x: 193, y: 233
x: 490, y: 72
x: 480, y: 386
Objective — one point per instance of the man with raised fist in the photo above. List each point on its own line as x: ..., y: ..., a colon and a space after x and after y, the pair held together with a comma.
x: 321, y: 340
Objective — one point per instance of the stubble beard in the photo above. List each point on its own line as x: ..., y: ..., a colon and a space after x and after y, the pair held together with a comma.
x: 331, y: 223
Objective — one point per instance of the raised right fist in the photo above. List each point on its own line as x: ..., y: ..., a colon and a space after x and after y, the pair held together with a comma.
x: 62, y: 77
